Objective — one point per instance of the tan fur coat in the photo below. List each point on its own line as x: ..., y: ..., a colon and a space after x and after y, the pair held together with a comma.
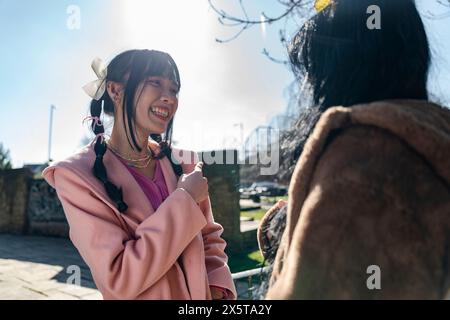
x: 372, y: 187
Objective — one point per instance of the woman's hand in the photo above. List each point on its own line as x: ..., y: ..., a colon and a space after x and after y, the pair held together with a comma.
x: 216, y: 293
x: 195, y: 184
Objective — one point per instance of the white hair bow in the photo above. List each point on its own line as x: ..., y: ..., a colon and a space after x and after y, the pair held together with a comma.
x: 95, y: 89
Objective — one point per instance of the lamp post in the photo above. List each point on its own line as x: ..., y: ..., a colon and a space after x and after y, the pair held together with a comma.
x: 241, y: 136
x: 52, y: 107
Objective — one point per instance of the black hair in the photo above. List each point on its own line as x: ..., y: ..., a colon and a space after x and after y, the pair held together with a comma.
x: 344, y: 63
x: 130, y: 68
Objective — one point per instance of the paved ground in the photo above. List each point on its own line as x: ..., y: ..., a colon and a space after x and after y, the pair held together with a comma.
x: 33, y: 268
x: 39, y: 268
x: 249, y: 225
x: 249, y: 204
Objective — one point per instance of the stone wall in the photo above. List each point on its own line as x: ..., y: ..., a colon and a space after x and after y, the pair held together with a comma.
x: 31, y: 206
x: 45, y: 212
x: 223, y: 181
x: 14, y: 186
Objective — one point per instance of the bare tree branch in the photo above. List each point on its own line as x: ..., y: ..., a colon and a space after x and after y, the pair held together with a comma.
x: 235, y: 36
x: 269, y: 56
x: 284, y: 43
x: 431, y: 15
x: 291, y: 8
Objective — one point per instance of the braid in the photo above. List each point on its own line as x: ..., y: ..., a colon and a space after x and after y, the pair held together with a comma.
x: 128, y: 68
x: 166, y: 151
x: 99, y: 169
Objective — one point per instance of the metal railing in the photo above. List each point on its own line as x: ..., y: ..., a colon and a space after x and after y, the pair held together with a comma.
x: 244, y: 282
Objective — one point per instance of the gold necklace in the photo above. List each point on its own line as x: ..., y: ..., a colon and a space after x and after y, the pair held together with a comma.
x: 147, y: 158
x: 132, y: 164
x: 140, y: 166
x: 128, y: 159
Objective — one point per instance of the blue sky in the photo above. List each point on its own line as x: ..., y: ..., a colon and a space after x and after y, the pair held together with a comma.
x: 44, y: 62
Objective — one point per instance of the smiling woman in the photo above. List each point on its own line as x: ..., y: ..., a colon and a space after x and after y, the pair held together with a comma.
x: 145, y: 229
x: 157, y: 86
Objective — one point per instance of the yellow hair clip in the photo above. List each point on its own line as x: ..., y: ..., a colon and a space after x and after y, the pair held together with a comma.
x: 321, y: 4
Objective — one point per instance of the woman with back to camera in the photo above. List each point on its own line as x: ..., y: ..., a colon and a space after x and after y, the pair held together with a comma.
x: 368, y: 212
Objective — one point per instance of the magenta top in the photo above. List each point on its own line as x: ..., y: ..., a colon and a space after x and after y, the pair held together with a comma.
x: 155, y: 189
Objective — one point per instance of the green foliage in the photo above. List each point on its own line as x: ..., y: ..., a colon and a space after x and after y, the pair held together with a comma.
x: 255, y: 214
x: 245, y: 260
x: 5, y: 160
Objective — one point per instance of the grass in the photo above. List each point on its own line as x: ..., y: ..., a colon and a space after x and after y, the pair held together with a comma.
x: 259, y: 213
x: 251, y: 259
x: 245, y: 261
x: 273, y: 199
x: 255, y: 214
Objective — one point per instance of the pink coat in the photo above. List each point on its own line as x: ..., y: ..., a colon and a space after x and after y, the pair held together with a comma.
x: 175, y: 252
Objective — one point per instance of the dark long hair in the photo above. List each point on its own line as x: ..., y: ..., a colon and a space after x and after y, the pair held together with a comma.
x: 344, y: 63
x: 130, y: 68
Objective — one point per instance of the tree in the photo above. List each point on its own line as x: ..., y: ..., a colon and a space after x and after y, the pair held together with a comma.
x: 446, y: 14
x: 299, y: 98
x: 5, y: 161
x: 292, y: 11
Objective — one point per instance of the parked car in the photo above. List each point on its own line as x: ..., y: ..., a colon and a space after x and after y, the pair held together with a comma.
x: 265, y: 188
x: 269, y: 189
x: 246, y: 193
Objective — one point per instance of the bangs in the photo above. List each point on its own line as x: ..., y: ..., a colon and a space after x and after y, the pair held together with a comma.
x: 150, y: 63
x: 161, y: 64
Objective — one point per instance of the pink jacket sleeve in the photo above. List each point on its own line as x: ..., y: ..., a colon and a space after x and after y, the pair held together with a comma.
x: 126, y: 267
